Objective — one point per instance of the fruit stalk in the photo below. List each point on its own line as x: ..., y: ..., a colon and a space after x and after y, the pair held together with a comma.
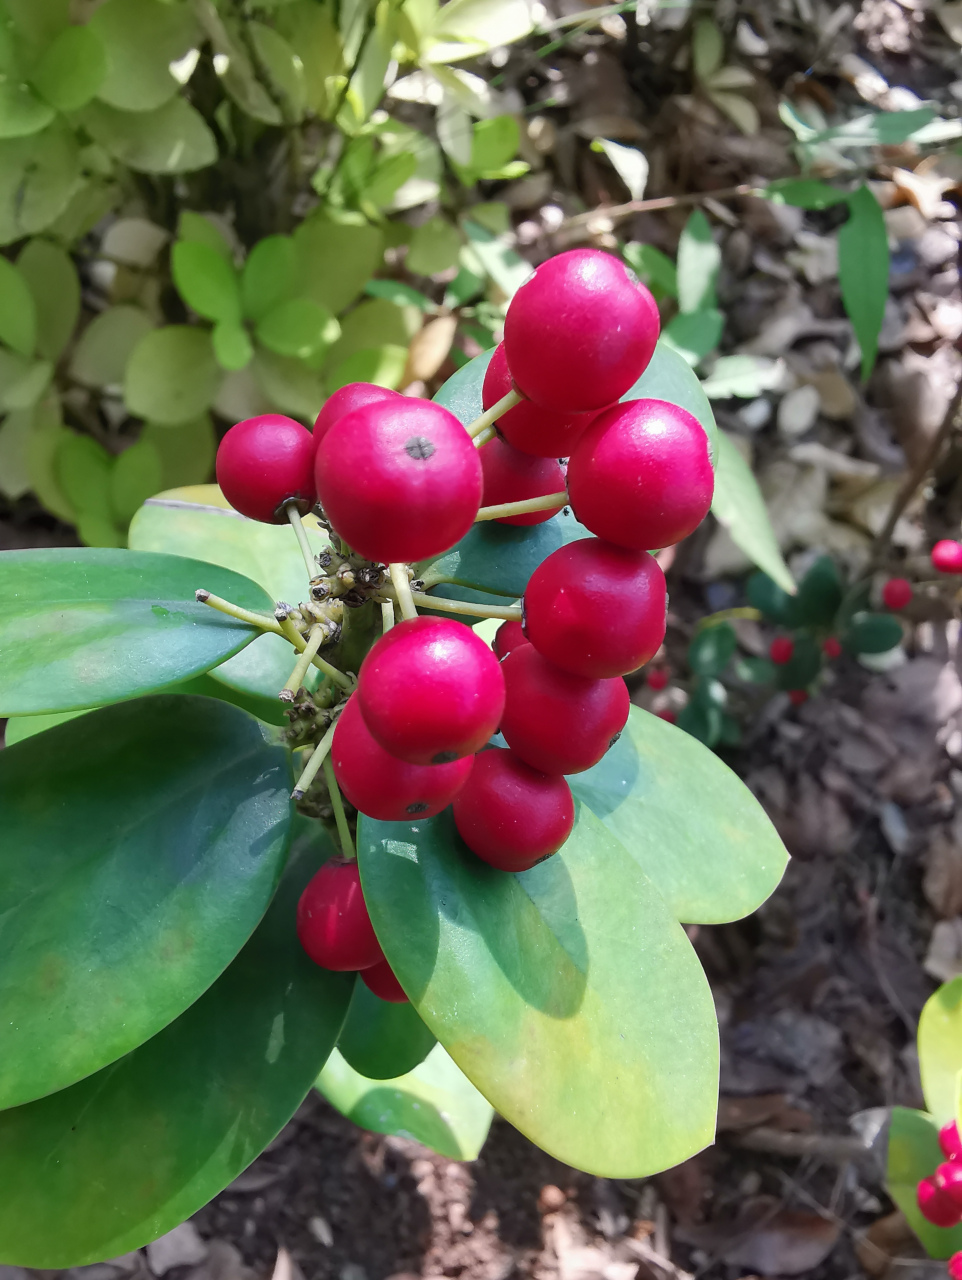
x: 296, y: 678
x: 287, y: 629
x: 387, y: 616
x: 297, y: 524
x: 522, y: 508
x: 340, y: 817
x: 402, y: 589
x: 235, y: 611
x: 489, y: 433
x: 510, y: 613
x: 310, y: 772
x: 490, y: 416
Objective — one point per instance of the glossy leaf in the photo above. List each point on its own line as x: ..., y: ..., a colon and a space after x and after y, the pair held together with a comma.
x: 141, y: 38
x: 19, y: 728
x: 863, y: 271
x: 819, y: 596
x: 71, y: 69
x: 381, y: 1039
x: 232, y: 345
x: 712, y: 648
x: 55, y: 288
x: 738, y: 505
x: 771, y: 600
x: 80, y: 628
x: 669, y: 377
x: 206, y: 281
x: 123, y: 1157
x: 568, y: 995
x: 100, y: 357
x: 173, y: 138
x: 18, y: 312
x: 713, y: 861
x: 144, y: 843
x: 171, y: 375
x: 940, y: 1050
x: 498, y: 259
x: 435, y: 1104
x: 872, y: 633
x: 914, y: 1153
x: 702, y: 717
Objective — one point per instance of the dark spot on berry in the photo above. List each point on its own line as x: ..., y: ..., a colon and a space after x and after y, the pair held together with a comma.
x: 419, y: 448
x: 612, y: 741
x: 444, y: 757
x: 419, y: 806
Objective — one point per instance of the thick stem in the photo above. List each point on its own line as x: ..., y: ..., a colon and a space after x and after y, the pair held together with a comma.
x: 313, y: 765
x: 235, y: 611
x: 387, y: 616
x: 297, y: 524
x: 296, y: 678
x: 494, y: 413
x: 544, y: 503
x: 340, y: 817
x: 402, y: 588
x: 510, y: 613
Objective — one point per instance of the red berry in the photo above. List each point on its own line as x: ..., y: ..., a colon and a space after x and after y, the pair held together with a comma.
x: 896, y: 593
x: 658, y: 678
x: 595, y: 609
x: 507, y: 638
x: 935, y: 1206
x: 431, y: 691
x: 265, y: 462
x: 511, y: 815
x: 580, y: 332
x: 832, y: 647
x: 543, y: 433
x: 949, y: 1178
x: 666, y: 713
x: 512, y: 476
x: 947, y: 556
x: 332, y: 919
x: 344, y: 401
x: 383, y: 787
x: 797, y: 696
x: 781, y: 649
x: 399, y: 479
x: 950, y: 1142
x: 641, y: 475
x: 555, y: 721
x: 381, y: 980
x: 954, y: 1266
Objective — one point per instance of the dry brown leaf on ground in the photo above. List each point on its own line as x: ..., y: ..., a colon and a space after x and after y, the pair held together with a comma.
x: 942, y: 883
x: 767, y: 1238
x: 429, y: 349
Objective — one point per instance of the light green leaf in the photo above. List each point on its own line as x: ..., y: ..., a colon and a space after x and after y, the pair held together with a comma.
x: 97, y: 529
x: 285, y: 69
x: 630, y: 164
x: 743, y: 376
x: 863, y: 271
x: 372, y: 324
x: 141, y: 38
x: 100, y: 357
x: 395, y: 291
x: 655, y: 268
x: 299, y: 327
x: 380, y: 1039
x: 367, y: 83
x: 434, y: 247
x: 55, y: 287
x: 136, y: 476
x: 83, y: 472
x: 384, y: 366
x: 38, y: 21
x: 506, y: 268
x: 738, y: 505
x: 186, y: 452
x: 494, y: 142
x: 196, y: 227
x: 804, y: 193
x: 42, y: 447
x: 940, y: 1050
x: 695, y: 334
x: 269, y: 276
x: 698, y: 261
x: 233, y: 348
x: 18, y: 312
x: 19, y: 728
x: 15, y: 433
x: 313, y: 36
x: 206, y: 281
x: 38, y: 177
x: 707, y: 48
x: 72, y: 69
x: 289, y: 384
x: 914, y: 1153
x: 171, y: 375
x: 22, y: 381
x: 466, y: 28
x: 173, y: 138
x: 22, y: 113
x: 336, y: 259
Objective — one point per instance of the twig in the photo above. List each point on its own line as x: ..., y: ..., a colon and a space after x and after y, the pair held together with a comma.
x: 618, y: 211
x: 836, y: 1148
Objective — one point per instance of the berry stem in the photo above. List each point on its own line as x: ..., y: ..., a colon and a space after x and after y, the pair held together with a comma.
x: 291, y: 633
x: 313, y: 765
x: 494, y: 413
x: 297, y: 524
x: 544, y: 503
x: 484, y: 436
x: 235, y: 611
x: 340, y: 817
x: 510, y: 613
x: 402, y: 589
x: 296, y: 678
x: 387, y: 616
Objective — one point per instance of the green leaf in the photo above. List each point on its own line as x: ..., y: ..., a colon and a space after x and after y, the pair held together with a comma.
x: 655, y: 268
x: 804, y: 193
x: 233, y: 348
x: 494, y: 142
x: 141, y: 38
x: 381, y: 1040
x: 738, y: 505
x: 742, y: 376
x: 290, y: 385
x: 506, y: 268
x: 22, y: 113
x: 712, y: 648
x: 269, y: 276
x: 186, y: 452
x: 80, y: 628
x: 707, y: 48
x: 22, y: 381
x: 384, y: 366
x: 370, y: 325
x: 695, y: 334
x: 136, y: 476
x: 940, y: 1051
x: 803, y: 666
x: 299, y: 327
x: 434, y: 247
x: 713, y: 861
x: 698, y: 261
x: 313, y: 36
x: 336, y: 259
x: 100, y: 357
x: 72, y: 68
x: 171, y: 375
x: 38, y: 177
x: 669, y: 377
x: 173, y: 138
x: 206, y: 281
x: 771, y: 600
x: 755, y: 670
x: 819, y: 596
x: 398, y: 293
x: 83, y: 471
x: 466, y: 28
x: 284, y: 69
x: 18, y: 312
x: 914, y: 1153
x: 19, y: 728
x: 15, y: 432
x: 203, y: 230
x: 630, y: 164
x: 873, y: 633
x: 702, y: 718
x: 97, y: 529
x: 55, y: 288
x: 145, y: 843
x: 435, y: 1104
x: 174, y: 1122
x: 863, y: 271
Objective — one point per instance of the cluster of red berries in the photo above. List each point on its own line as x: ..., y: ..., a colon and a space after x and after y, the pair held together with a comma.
x: 940, y: 1195
x: 400, y: 480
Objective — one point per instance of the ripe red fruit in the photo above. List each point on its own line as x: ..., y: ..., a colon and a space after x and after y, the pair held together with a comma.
x: 641, y: 475
x: 947, y: 556
x: 658, y: 678
x: 555, y: 721
x: 666, y: 713
x: 399, y: 479
x: 381, y: 980
x: 832, y: 647
x: 543, y: 433
x: 379, y: 785
x: 781, y: 649
x: 949, y: 1178
x: 507, y: 638
x: 265, y: 462
x: 512, y: 476
x: 950, y: 1142
x: 431, y: 691
x: 595, y: 609
x: 344, y: 401
x: 580, y: 332
x: 797, y: 696
x: 511, y: 815
x: 954, y: 1266
x: 896, y: 593
x: 935, y: 1206
x: 332, y: 919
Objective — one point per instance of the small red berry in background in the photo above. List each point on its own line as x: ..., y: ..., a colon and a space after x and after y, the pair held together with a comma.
x: 507, y: 638
x: 657, y: 678
x: 344, y: 401
x: 265, y: 462
x: 797, y: 697
x: 381, y: 980
x: 542, y: 433
x: 580, y: 332
x: 946, y: 556
x: 512, y: 476
x: 781, y: 649
x: 333, y: 922
x: 954, y: 1266
x: 950, y: 1142
x: 832, y: 647
x: 935, y: 1206
x: 896, y: 593
x: 666, y: 713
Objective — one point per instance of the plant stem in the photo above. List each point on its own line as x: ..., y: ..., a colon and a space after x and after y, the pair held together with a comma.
x: 616, y: 212
x: 402, y: 588
x: 297, y: 524
x: 313, y: 765
x: 296, y: 678
x: 510, y: 613
x: 387, y: 616
x: 494, y: 413
x: 484, y: 436
x: 544, y: 503
x: 261, y: 620
x: 340, y: 817
x: 291, y: 633
x: 728, y: 615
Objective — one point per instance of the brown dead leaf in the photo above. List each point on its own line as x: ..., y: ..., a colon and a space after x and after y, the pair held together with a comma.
x: 943, y: 875
x: 684, y: 1190
x: 943, y: 960
x: 887, y: 1238
x: 768, y: 1239
x: 773, y: 1109
x: 429, y: 349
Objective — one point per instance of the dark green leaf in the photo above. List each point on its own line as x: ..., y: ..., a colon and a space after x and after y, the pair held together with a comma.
x: 80, y: 628
x: 124, y: 1156
x: 171, y: 375
x: 73, y: 67
x: 819, y: 596
x: 669, y: 377
x: 83, y: 469
x: 206, y: 281
x: 765, y: 595
x: 701, y: 717
x: 940, y: 1034
x: 714, y: 860
x: 863, y: 271
x: 381, y: 1040
x: 53, y: 283
x: 698, y: 261
x: 872, y: 633
x: 755, y: 670
x: 914, y: 1153
x: 804, y: 665
x: 712, y: 649
x: 567, y: 994
x: 739, y: 506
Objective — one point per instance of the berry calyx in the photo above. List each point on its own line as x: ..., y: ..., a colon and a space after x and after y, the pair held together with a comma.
x: 595, y: 609
x: 381, y: 980
x: 667, y: 714
x: 797, y: 697
x: 555, y: 721
x: 528, y: 427
x: 265, y: 462
x: 512, y: 476
x: 832, y: 647
x: 935, y: 1206
x: 946, y: 556
x: 781, y: 649
x: 641, y: 475
x: 511, y: 815
x: 354, y: 395
x: 580, y: 332
x: 897, y: 593
x: 400, y: 480
x: 507, y: 638
x: 950, y: 1142
x: 954, y: 1266
x: 431, y: 691
x: 333, y: 922
x: 657, y: 678
x: 383, y: 787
